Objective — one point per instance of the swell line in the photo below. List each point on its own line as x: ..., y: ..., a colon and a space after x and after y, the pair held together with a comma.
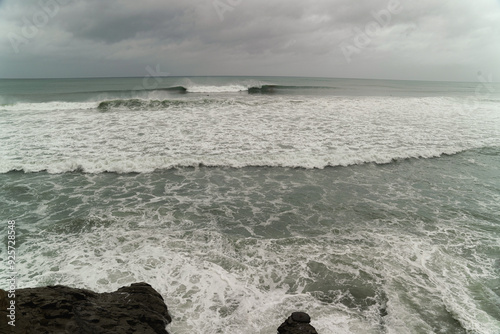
x: 150, y: 164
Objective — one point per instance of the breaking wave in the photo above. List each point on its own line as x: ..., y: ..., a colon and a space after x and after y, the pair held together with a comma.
x: 236, y: 88
x: 149, y: 164
x: 239, y: 131
x: 252, y: 89
x: 133, y: 99
x: 139, y: 104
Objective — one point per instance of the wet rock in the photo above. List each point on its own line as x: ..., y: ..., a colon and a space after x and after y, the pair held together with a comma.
x: 297, y: 323
x: 59, y: 309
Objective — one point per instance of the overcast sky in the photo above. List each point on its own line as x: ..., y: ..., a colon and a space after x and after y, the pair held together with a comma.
x: 405, y: 39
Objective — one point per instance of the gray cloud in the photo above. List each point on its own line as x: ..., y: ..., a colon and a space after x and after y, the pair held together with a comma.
x: 423, y: 40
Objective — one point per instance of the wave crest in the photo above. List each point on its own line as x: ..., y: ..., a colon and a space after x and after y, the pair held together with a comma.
x: 139, y: 104
x: 149, y: 164
x: 252, y: 89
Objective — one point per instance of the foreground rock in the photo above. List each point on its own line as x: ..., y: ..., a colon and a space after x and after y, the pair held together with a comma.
x: 59, y: 309
x: 133, y: 309
x: 297, y: 323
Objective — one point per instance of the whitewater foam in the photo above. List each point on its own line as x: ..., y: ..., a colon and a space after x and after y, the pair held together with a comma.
x: 216, y: 89
x: 251, y: 131
x: 224, y: 285
x: 48, y: 106
x: 393, y: 249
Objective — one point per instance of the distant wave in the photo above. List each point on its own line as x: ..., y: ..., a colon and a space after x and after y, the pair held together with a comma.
x: 180, y: 89
x: 277, y: 88
x: 129, y: 104
x: 264, y: 89
x: 216, y: 89
x: 136, y: 104
x: 258, y: 89
x: 139, y: 104
x: 131, y: 98
x: 255, y: 89
x: 148, y: 104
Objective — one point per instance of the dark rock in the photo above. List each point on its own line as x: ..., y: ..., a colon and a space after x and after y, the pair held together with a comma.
x: 301, y: 317
x: 59, y: 309
x: 297, y: 323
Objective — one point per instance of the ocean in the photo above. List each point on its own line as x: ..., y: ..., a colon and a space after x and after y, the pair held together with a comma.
x: 372, y: 205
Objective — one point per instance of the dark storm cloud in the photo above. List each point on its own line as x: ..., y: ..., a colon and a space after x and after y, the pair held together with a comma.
x: 116, y: 29
x: 421, y: 40
x: 112, y: 22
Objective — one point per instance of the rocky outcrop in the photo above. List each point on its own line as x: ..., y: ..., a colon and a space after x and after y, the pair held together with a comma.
x: 59, y: 309
x: 297, y: 323
x: 137, y: 308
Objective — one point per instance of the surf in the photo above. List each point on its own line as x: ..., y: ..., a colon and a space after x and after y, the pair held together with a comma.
x: 153, y: 164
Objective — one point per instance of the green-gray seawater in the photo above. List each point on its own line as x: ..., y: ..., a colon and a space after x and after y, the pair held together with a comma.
x: 371, y: 205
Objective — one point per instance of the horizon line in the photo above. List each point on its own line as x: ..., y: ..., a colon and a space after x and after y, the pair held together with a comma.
x: 227, y: 76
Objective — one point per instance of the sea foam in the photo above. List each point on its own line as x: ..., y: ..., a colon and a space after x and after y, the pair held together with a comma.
x: 146, y: 135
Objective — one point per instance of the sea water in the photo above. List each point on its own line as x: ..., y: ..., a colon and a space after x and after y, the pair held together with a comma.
x: 372, y: 205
